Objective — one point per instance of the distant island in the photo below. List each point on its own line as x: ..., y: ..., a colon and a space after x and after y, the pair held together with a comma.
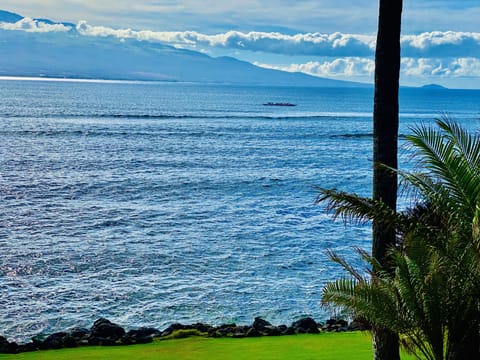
x: 434, y: 87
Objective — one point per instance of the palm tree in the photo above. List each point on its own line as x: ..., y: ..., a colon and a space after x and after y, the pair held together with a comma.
x: 452, y: 157
x: 429, y: 291
x: 385, y: 119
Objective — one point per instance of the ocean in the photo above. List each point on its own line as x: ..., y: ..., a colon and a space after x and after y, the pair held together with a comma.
x: 155, y: 203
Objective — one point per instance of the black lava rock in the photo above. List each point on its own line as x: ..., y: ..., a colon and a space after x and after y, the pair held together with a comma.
x: 142, y: 335
x: 54, y: 341
x: 260, y: 325
x: 305, y: 326
x: 7, y: 347
x: 104, y: 332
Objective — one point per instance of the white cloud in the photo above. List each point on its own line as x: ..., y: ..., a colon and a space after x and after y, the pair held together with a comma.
x: 460, y: 67
x: 440, y: 44
x: 362, y: 67
x: 435, y: 44
x: 31, y: 25
x: 335, y: 44
x: 342, y: 67
x: 426, y: 45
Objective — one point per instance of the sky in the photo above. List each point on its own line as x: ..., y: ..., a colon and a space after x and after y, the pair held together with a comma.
x: 328, y: 38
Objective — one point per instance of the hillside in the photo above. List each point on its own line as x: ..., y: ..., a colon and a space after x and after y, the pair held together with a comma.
x: 71, y: 54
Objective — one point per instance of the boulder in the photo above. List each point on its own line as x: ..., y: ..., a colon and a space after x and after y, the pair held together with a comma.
x: 79, y: 335
x: 260, y: 324
x: 104, y: 332
x: 283, y: 329
x: 54, y: 341
x: 142, y: 335
x: 204, y: 328
x: 289, y: 331
x: 172, y: 328
x: 38, y: 340
x: 7, y: 347
x: 252, y: 332
x: 30, y: 346
x: 305, y: 326
x: 265, y: 328
x: 359, y: 323
x: 335, y: 325
x: 225, y: 330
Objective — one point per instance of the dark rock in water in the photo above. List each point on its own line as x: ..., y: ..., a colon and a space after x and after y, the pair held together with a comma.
x: 241, y: 331
x: 283, y: 329
x: 104, y: 332
x: 54, y: 341
x: 225, y: 326
x: 359, y: 324
x: 27, y: 347
x: 252, y: 332
x: 69, y: 341
x: 305, y: 326
x: 80, y: 335
x: 204, y: 328
x: 265, y: 328
x: 143, y: 332
x: 172, y: 328
x: 226, y: 330
x: 105, y: 342
x: 335, y: 325
x: 7, y: 347
x: 200, y: 327
x: 272, y: 331
x: 37, y: 341
x: 142, y: 335
x: 260, y: 325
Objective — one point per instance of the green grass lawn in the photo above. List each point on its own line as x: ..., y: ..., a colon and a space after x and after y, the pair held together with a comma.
x: 341, y: 346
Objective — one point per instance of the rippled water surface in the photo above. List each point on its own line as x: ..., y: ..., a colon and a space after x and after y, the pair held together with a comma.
x: 157, y: 203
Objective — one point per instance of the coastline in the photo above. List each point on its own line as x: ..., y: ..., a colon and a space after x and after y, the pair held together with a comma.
x: 106, y: 333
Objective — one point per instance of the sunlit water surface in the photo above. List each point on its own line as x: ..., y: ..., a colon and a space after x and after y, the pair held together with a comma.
x: 157, y: 203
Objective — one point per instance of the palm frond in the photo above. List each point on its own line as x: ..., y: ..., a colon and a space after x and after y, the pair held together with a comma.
x: 433, y: 295
x: 346, y: 266
x: 356, y: 209
x: 467, y: 144
x: 444, y: 153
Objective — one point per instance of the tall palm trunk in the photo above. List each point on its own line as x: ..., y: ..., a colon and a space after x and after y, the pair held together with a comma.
x: 464, y: 340
x: 385, y: 134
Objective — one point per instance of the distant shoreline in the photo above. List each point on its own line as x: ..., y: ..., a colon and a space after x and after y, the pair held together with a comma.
x: 79, y: 80
x: 143, y: 81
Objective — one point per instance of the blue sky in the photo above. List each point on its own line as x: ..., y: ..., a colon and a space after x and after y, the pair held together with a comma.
x: 330, y: 38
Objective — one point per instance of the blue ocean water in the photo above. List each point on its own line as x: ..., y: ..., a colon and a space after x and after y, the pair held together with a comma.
x: 154, y: 203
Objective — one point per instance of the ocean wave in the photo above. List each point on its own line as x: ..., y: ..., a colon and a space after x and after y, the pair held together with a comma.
x: 168, y: 133
x: 227, y: 116
x: 249, y: 115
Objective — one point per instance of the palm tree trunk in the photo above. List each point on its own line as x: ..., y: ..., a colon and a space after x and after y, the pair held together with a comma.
x: 385, y: 147
x: 385, y: 344
x: 464, y: 340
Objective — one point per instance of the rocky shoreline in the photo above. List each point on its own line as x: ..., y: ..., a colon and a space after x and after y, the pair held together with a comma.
x: 105, y: 333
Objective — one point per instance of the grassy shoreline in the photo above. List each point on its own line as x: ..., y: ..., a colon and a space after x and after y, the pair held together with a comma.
x: 326, y: 346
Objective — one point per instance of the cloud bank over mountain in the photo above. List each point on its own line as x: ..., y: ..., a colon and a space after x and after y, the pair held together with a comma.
x: 433, y: 44
x: 31, y: 25
x: 32, y: 47
x: 434, y: 54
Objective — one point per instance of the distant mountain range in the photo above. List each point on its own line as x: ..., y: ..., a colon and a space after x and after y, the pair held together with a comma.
x: 69, y: 54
